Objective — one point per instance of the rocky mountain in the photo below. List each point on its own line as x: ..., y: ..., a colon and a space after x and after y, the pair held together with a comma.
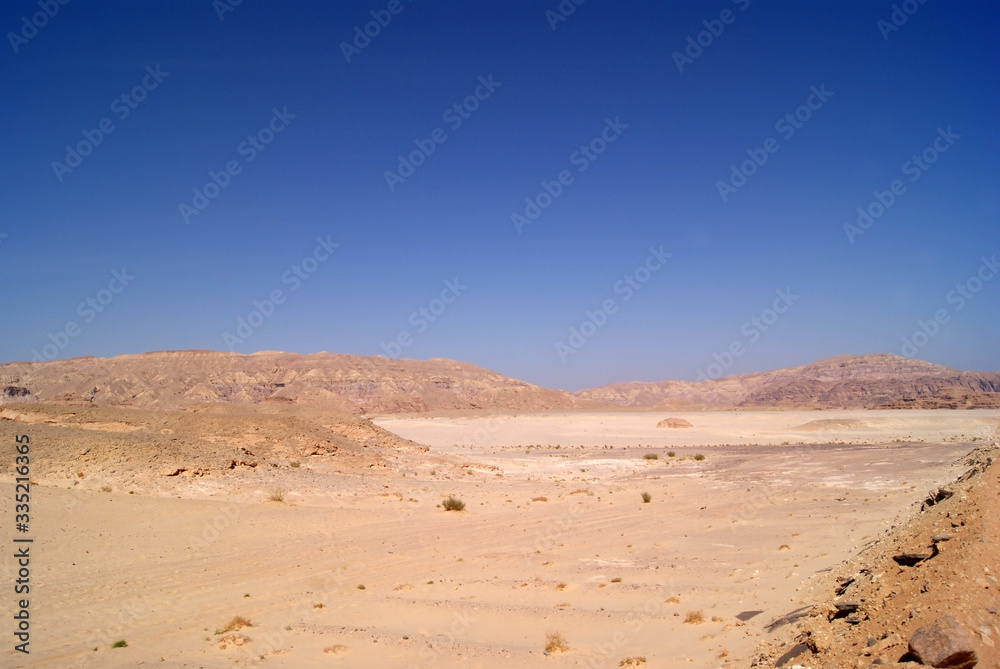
x: 845, y: 381
x: 357, y: 384
x: 379, y: 385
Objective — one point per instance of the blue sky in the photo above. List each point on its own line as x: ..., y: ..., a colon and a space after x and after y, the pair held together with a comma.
x: 661, y: 130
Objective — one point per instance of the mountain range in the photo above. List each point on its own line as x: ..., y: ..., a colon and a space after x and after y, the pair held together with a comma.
x: 379, y: 385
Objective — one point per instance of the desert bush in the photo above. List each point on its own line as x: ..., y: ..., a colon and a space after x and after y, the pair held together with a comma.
x: 671, y: 454
x: 694, y: 618
x: 453, y: 504
x: 646, y: 497
x: 237, y: 623
x: 121, y: 643
x: 105, y: 488
x: 555, y: 642
x: 277, y: 495
x: 651, y: 456
x: 699, y: 457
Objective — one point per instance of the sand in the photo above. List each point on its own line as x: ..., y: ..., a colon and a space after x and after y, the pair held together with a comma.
x: 551, y: 540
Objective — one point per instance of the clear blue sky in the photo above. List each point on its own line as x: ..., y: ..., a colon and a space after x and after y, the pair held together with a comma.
x: 521, y: 286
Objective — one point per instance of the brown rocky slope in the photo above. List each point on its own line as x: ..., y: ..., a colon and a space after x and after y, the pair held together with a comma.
x: 356, y: 384
x: 934, y: 578
x: 840, y: 382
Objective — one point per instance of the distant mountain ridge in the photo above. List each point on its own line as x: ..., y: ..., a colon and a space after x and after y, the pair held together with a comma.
x: 379, y: 385
x: 839, y: 382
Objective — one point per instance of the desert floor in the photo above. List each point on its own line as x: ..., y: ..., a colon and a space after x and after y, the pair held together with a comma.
x: 360, y: 566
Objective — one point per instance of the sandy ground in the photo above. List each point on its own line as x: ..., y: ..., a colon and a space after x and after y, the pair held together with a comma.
x: 360, y: 567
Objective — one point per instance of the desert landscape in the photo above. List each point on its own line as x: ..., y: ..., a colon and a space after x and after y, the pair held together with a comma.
x: 226, y: 520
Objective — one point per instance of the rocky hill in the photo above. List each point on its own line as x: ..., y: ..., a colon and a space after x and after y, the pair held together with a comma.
x: 356, y: 384
x: 848, y: 382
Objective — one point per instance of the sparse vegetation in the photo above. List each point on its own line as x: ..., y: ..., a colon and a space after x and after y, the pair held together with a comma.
x: 784, y: 547
x: 121, y: 643
x: 672, y: 600
x: 361, y: 586
x: 651, y: 456
x: 334, y: 649
x: 277, y: 495
x: 539, y: 499
x: 236, y: 624
x: 105, y: 488
x: 561, y: 586
x: 555, y: 642
x: 296, y: 465
x: 694, y: 618
x: 671, y: 454
x: 699, y: 457
x: 453, y: 504
x: 633, y: 661
x: 646, y: 497
x: 616, y: 579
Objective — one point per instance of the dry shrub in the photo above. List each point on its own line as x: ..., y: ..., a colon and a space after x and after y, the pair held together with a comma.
x: 694, y: 618
x: 335, y: 649
x: 453, y: 504
x: 555, y: 642
x: 672, y: 600
x: 235, y: 640
x: 277, y: 495
x: 633, y: 661
x: 539, y: 499
x: 234, y: 625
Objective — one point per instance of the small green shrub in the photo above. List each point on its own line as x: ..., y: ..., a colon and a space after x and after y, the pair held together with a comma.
x: 121, y: 643
x: 699, y: 457
x: 651, y: 456
x: 671, y: 454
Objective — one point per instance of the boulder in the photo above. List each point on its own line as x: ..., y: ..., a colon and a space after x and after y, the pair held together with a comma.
x: 943, y: 644
x: 674, y: 422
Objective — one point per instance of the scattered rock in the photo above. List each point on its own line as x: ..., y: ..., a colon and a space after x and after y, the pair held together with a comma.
x: 943, y: 644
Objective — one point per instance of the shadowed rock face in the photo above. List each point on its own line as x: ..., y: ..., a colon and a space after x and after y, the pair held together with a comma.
x: 375, y: 384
